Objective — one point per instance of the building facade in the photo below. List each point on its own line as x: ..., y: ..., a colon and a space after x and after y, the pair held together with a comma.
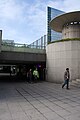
x: 51, y: 34
x: 0, y: 39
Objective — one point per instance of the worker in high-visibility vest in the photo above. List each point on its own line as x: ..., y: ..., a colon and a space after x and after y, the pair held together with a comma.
x: 36, y: 75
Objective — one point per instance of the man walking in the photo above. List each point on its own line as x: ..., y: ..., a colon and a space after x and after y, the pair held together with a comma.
x: 66, y: 78
x: 30, y: 76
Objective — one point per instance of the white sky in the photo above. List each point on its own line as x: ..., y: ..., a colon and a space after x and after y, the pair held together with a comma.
x: 25, y: 21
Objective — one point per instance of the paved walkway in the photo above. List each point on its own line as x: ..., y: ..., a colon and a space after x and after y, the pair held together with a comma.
x: 39, y: 101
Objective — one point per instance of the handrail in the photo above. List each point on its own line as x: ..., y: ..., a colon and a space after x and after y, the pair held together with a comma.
x: 22, y: 45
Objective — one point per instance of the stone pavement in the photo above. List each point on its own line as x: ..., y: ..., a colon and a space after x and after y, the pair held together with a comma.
x: 39, y: 101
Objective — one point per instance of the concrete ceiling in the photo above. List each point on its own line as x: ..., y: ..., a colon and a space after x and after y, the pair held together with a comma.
x: 57, y: 23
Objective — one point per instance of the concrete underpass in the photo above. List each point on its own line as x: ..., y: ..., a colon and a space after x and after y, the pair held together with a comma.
x: 21, y: 58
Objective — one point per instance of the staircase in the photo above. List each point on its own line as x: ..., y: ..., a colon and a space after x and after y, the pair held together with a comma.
x: 75, y: 83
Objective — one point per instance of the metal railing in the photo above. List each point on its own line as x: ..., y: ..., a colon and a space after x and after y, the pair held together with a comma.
x: 22, y: 45
x: 38, y: 44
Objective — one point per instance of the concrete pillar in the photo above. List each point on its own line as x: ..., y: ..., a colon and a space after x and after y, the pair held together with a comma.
x: 59, y: 56
x: 71, y: 31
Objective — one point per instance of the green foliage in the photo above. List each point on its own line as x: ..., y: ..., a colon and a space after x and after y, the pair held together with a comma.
x: 62, y: 40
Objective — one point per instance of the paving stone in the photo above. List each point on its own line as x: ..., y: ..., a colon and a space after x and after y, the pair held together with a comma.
x: 39, y: 101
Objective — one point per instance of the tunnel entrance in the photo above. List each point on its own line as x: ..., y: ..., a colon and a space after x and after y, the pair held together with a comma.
x: 18, y: 72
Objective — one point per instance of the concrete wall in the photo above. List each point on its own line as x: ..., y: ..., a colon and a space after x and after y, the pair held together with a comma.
x: 13, y: 54
x: 60, y: 55
x: 71, y: 31
x: 23, y: 57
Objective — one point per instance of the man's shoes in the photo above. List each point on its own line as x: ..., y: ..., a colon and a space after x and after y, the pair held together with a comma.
x: 62, y: 85
x: 67, y: 88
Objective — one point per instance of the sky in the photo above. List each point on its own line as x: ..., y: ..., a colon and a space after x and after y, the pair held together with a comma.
x: 25, y: 21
